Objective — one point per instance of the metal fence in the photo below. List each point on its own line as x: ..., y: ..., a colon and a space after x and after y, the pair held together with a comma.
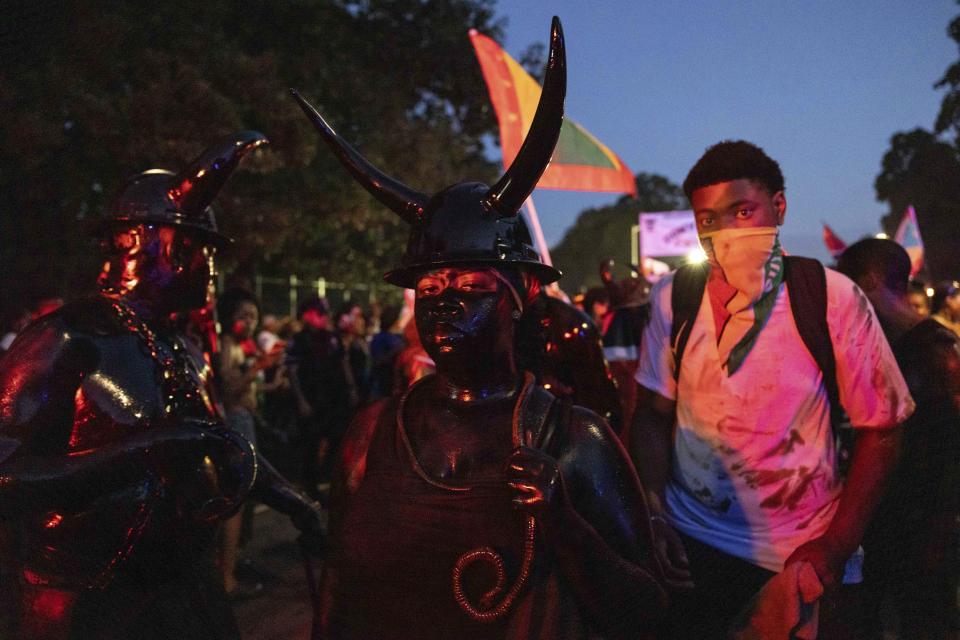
x: 280, y: 296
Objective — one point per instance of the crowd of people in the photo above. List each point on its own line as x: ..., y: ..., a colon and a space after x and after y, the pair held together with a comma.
x: 775, y: 452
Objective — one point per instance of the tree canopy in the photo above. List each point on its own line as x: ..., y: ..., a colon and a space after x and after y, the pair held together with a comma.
x: 601, y: 233
x: 922, y: 168
x: 93, y: 93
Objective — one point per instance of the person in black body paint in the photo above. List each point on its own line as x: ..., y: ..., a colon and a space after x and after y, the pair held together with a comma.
x: 115, y: 463
x: 478, y: 505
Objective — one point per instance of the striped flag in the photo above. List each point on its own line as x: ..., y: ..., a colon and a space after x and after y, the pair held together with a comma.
x: 908, y: 235
x: 580, y: 161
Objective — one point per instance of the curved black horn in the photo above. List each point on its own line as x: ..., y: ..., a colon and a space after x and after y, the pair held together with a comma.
x: 518, y: 182
x: 194, y: 188
x: 398, y: 197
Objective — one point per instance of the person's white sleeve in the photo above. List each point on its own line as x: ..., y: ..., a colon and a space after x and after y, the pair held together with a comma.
x: 655, y: 370
x: 872, y: 389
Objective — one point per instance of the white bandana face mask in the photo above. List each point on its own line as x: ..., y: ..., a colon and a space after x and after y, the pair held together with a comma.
x: 745, y: 255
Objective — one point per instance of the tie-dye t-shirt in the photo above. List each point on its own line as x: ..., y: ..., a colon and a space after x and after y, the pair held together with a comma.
x: 754, y: 470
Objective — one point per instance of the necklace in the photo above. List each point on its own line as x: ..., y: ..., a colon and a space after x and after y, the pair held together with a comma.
x: 179, y: 389
x: 488, y: 610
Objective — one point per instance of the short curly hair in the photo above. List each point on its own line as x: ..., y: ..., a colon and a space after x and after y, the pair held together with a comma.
x: 884, y: 257
x: 734, y: 160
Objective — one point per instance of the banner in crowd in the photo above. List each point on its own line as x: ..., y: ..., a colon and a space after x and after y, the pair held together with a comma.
x: 667, y: 234
x: 580, y: 161
x: 908, y: 235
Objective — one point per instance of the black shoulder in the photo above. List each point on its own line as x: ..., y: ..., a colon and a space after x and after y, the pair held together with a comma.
x: 68, y: 330
x: 565, y: 318
x: 93, y: 316
x: 41, y: 372
x: 585, y: 440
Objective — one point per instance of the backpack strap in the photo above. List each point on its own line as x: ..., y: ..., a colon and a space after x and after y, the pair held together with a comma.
x: 807, y: 287
x: 689, y: 282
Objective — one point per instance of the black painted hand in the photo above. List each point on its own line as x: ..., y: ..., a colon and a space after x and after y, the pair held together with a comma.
x: 538, y: 486
x: 671, y: 555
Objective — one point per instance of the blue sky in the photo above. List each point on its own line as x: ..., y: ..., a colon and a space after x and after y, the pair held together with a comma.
x: 820, y: 85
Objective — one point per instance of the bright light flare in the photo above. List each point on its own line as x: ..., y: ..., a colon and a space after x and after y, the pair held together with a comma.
x: 696, y: 256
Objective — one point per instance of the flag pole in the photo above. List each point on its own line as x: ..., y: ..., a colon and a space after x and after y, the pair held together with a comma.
x: 538, y: 239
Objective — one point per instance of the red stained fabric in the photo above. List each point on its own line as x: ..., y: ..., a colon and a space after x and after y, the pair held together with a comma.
x: 720, y: 293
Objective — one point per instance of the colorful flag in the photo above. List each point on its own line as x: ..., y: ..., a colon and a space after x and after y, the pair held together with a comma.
x: 835, y: 245
x: 908, y: 235
x: 580, y: 161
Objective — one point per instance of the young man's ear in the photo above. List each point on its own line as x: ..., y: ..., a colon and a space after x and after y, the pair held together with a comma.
x: 780, y: 206
x: 870, y: 281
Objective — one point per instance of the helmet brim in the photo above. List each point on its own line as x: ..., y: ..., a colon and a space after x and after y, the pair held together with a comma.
x: 104, y: 227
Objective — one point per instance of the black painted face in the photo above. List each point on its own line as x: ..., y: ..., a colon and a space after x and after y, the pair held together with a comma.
x: 463, y: 317
x: 186, y: 265
x: 172, y: 266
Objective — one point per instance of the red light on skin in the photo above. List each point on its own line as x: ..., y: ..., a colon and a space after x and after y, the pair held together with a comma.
x: 47, y: 611
x: 51, y: 604
x: 178, y: 192
x: 53, y: 521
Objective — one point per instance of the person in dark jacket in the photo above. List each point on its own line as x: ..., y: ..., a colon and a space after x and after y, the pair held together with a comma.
x: 912, y: 564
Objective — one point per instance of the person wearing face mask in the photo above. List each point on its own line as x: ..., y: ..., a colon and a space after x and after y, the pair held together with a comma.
x: 478, y: 505
x: 116, y: 467
x: 733, y: 434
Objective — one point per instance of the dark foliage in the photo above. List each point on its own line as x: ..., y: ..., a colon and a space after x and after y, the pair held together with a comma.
x: 94, y: 92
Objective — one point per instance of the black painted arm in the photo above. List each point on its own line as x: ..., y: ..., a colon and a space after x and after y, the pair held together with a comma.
x: 589, y: 504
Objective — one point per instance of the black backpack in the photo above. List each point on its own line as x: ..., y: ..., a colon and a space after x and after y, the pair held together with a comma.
x: 807, y: 286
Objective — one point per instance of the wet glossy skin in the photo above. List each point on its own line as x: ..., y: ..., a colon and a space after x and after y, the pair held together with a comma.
x: 736, y: 204
x: 464, y: 320
x: 114, y: 458
x: 573, y: 362
x: 582, y: 491
x: 159, y: 269
x: 81, y: 385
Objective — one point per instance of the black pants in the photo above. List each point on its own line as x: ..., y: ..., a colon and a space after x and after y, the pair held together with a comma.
x: 724, y: 586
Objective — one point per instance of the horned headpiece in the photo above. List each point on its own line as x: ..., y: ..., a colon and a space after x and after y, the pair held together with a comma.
x: 183, y: 199
x: 468, y: 222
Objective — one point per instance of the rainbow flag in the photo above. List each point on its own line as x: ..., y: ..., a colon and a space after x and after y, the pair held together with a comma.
x: 580, y: 161
x: 908, y: 235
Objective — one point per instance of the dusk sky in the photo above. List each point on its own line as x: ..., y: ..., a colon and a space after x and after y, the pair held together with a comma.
x: 820, y: 85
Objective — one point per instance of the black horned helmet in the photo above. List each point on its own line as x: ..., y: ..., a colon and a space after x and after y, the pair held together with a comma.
x: 183, y: 199
x: 469, y: 222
